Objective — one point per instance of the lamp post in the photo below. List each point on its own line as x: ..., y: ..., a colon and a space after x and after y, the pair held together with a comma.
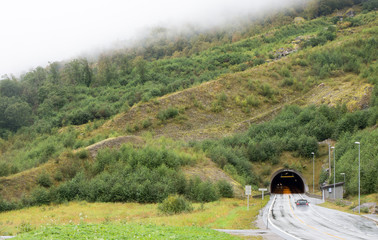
x: 359, y: 169
x: 344, y: 176
x: 344, y: 182
x: 313, y: 171
x: 329, y: 159
x: 334, y: 174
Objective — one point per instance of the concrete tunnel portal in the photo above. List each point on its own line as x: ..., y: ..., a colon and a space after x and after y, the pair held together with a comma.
x: 286, y: 181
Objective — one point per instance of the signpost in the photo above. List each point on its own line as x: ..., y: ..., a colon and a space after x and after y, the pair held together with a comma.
x: 262, y: 192
x: 248, y: 192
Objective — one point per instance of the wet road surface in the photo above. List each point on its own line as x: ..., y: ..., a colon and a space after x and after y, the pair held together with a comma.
x: 314, y: 222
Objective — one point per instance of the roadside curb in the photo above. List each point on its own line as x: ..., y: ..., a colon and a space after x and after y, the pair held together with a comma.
x: 369, y: 218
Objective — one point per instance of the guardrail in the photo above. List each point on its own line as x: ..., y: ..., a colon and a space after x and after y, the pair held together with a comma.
x: 259, y: 195
x: 313, y: 195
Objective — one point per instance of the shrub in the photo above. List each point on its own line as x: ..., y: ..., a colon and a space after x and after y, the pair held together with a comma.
x: 323, y: 177
x: 289, y: 81
x: 167, y: 113
x: 82, y: 154
x: 40, y: 196
x: 253, y: 101
x: 25, y: 227
x: 199, y: 191
x: 44, y: 180
x: 58, y: 176
x: 225, y: 189
x: 4, y: 169
x: 175, y: 204
x: 307, y: 145
x: 266, y: 90
x: 365, y: 210
x: 217, y: 106
x: 146, y: 123
x: 222, y: 97
x: 340, y: 202
x: 7, y: 206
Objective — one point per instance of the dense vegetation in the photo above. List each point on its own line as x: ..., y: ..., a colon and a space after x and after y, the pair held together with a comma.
x: 144, y: 175
x: 296, y: 130
x: 79, y: 90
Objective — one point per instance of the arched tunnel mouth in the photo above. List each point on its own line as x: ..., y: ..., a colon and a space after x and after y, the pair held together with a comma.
x: 287, y: 181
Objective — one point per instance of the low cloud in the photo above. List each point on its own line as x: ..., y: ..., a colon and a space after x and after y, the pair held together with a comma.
x: 36, y: 32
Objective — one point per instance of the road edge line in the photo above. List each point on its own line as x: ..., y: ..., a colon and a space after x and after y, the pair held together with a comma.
x: 274, y: 226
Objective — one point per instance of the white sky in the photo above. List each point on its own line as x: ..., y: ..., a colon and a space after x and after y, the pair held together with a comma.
x: 35, y: 32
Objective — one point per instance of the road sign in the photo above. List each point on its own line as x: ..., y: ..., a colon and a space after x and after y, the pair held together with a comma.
x: 262, y: 192
x: 248, y: 190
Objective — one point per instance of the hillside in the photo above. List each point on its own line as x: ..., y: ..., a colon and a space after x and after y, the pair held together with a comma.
x: 178, y: 101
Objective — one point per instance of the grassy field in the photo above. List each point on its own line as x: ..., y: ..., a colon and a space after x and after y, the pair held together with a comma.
x: 226, y: 214
x: 123, y: 231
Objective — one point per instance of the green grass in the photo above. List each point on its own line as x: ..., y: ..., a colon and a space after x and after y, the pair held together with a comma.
x: 228, y: 213
x: 122, y: 231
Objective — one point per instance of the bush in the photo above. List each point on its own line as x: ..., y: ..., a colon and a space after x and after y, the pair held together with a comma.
x: 7, y: 206
x: 146, y: 123
x: 370, y: 5
x: 266, y: 90
x: 25, y: 227
x: 40, y: 196
x: 175, y: 204
x: 44, y: 180
x: 340, y: 202
x: 167, y: 113
x: 82, y: 154
x: 225, y: 189
x: 307, y: 145
x: 365, y: 210
x: 202, y: 191
x: 253, y: 101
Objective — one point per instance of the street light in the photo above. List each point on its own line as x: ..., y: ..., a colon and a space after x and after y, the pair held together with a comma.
x: 334, y: 174
x: 359, y: 169
x: 313, y: 171
x: 329, y: 159
x: 344, y: 182
x: 344, y: 176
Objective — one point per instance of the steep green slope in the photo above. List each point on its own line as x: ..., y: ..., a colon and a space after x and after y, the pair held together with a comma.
x: 331, y: 65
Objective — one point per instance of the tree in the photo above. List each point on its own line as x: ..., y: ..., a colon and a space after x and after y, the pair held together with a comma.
x: 140, y: 66
x: 78, y: 72
x: 10, y: 88
x: 53, y: 74
x: 16, y: 115
x: 105, y: 72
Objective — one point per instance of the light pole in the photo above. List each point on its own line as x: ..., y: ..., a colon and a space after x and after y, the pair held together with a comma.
x: 329, y: 159
x: 313, y: 171
x: 344, y: 176
x: 334, y: 174
x: 359, y: 169
x: 344, y: 182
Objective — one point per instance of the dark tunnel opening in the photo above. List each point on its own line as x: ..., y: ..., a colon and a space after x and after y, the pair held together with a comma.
x: 287, y: 181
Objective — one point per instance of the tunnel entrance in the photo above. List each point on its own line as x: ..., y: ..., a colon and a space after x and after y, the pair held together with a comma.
x: 286, y: 181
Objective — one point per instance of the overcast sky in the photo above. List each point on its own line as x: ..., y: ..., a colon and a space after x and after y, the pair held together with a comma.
x: 35, y: 32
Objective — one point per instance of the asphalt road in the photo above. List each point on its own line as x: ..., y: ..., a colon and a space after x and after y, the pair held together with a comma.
x: 315, y: 222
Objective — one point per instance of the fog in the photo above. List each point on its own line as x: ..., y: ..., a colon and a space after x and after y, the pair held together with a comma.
x: 36, y: 32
